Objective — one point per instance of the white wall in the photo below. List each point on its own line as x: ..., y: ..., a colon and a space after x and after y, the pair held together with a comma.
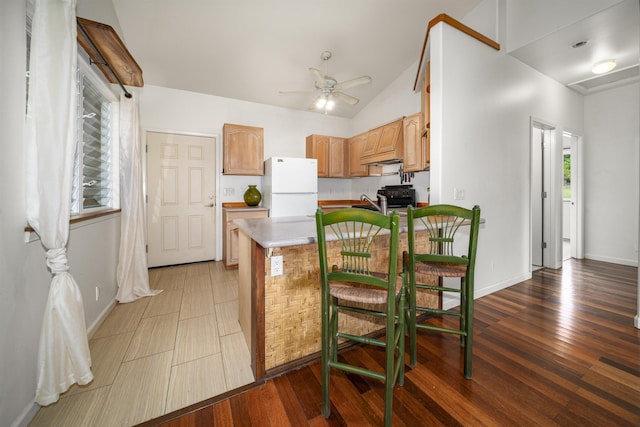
x: 24, y: 279
x: 482, y: 103
x: 611, y: 174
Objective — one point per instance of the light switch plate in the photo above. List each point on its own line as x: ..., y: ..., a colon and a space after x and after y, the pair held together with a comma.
x: 458, y: 193
x: 276, y: 265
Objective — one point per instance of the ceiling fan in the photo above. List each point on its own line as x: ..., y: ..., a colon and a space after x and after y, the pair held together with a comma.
x: 329, y: 90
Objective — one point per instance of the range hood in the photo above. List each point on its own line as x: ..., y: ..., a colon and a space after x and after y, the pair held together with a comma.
x: 384, y: 145
x: 384, y: 162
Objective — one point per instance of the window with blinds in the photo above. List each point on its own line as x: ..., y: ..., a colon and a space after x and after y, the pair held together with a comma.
x: 93, y: 169
x: 92, y: 183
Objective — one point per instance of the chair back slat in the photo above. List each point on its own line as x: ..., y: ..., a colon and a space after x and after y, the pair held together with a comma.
x: 442, y: 223
x: 356, y: 230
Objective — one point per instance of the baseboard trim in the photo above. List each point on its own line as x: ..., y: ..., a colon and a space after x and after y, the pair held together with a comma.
x: 96, y: 323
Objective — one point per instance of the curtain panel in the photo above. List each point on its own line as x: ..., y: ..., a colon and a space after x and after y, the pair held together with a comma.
x: 63, y: 356
x: 133, y: 273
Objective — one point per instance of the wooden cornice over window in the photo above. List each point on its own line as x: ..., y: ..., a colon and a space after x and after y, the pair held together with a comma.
x: 109, y: 53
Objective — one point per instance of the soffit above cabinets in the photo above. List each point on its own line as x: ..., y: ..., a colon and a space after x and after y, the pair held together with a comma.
x: 109, y: 53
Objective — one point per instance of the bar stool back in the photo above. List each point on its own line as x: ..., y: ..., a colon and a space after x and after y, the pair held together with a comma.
x: 358, y: 276
x: 449, y: 255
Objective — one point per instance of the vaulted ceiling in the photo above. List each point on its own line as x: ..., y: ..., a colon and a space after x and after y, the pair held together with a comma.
x: 253, y: 49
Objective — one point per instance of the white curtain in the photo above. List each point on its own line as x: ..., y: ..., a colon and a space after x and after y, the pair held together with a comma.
x: 63, y: 356
x: 132, y: 275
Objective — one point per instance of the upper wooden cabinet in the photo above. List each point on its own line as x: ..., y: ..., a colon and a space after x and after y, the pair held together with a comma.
x: 355, y: 145
x: 416, y: 149
x: 384, y: 144
x: 330, y: 153
x: 338, y: 160
x: 243, y: 150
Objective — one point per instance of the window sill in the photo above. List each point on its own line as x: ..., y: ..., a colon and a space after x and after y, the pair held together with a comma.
x: 75, y: 219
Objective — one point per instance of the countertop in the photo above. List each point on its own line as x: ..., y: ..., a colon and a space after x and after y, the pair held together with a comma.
x: 244, y: 208
x: 287, y: 231
x: 291, y: 231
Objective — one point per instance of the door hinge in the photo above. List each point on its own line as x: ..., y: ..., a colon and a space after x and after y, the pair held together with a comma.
x: 146, y: 248
x: 544, y: 245
x: 544, y: 194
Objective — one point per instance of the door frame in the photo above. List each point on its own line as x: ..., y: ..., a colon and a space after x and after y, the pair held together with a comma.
x: 577, y: 194
x: 217, y: 256
x: 552, y: 179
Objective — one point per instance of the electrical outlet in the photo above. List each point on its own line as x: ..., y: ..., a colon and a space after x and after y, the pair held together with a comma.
x: 276, y: 265
x: 228, y: 191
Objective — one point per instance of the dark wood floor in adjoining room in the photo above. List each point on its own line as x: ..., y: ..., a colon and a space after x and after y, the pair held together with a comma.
x: 559, y: 349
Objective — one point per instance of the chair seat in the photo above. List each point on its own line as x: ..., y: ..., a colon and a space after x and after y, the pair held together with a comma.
x: 357, y: 292
x: 442, y: 269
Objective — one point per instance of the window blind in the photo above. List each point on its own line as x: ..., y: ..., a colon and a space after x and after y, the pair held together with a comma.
x: 93, y: 172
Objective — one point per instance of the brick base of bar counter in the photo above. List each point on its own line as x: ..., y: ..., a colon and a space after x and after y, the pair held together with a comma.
x: 290, y: 308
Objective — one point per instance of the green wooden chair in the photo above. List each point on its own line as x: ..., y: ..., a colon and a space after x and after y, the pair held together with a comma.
x: 358, y: 252
x: 442, y: 259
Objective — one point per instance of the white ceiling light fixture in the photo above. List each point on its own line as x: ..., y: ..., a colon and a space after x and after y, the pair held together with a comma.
x: 329, y: 91
x: 603, y: 66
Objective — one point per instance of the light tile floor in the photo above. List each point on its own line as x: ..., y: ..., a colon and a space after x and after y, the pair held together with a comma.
x: 159, y: 354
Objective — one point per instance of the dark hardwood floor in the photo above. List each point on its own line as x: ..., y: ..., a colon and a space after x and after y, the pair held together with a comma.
x: 559, y: 349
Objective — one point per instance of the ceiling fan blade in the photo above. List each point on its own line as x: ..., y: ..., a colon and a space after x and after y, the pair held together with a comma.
x: 318, y: 78
x: 289, y: 92
x: 347, y: 99
x: 354, y: 82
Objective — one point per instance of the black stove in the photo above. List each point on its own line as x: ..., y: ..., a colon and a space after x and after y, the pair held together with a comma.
x: 398, y: 196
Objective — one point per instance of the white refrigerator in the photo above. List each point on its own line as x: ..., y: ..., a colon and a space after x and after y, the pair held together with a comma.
x: 290, y: 186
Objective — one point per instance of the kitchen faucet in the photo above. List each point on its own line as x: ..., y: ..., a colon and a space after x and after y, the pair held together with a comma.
x: 383, y: 203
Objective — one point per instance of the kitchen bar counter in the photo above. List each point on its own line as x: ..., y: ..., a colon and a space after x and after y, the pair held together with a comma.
x: 279, y: 311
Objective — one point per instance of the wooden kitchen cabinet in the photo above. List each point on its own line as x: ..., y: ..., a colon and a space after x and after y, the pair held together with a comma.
x: 330, y: 153
x: 230, y: 235
x: 338, y: 163
x: 318, y: 148
x: 416, y: 149
x: 355, y: 145
x: 384, y: 143
x: 243, y: 150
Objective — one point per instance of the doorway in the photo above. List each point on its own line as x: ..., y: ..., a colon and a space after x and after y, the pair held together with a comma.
x: 181, y: 198
x: 571, y: 197
x: 541, y: 138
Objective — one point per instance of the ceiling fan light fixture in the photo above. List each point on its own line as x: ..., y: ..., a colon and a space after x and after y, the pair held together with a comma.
x: 603, y: 66
x: 321, y: 102
x: 330, y: 104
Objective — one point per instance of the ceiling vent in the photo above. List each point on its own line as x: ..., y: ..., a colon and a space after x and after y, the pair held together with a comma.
x: 607, y: 81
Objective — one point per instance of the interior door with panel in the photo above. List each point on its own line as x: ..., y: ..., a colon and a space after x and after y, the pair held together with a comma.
x: 181, y: 198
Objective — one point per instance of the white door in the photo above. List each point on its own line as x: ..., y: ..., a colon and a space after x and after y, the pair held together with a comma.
x: 181, y: 198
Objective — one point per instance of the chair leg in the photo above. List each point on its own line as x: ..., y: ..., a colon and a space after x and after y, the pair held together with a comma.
x: 468, y: 328
x: 463, y: 309
x: 402, y: 330
x: 326, y: 350
x: 389, y: 373
x: 412, y: 318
